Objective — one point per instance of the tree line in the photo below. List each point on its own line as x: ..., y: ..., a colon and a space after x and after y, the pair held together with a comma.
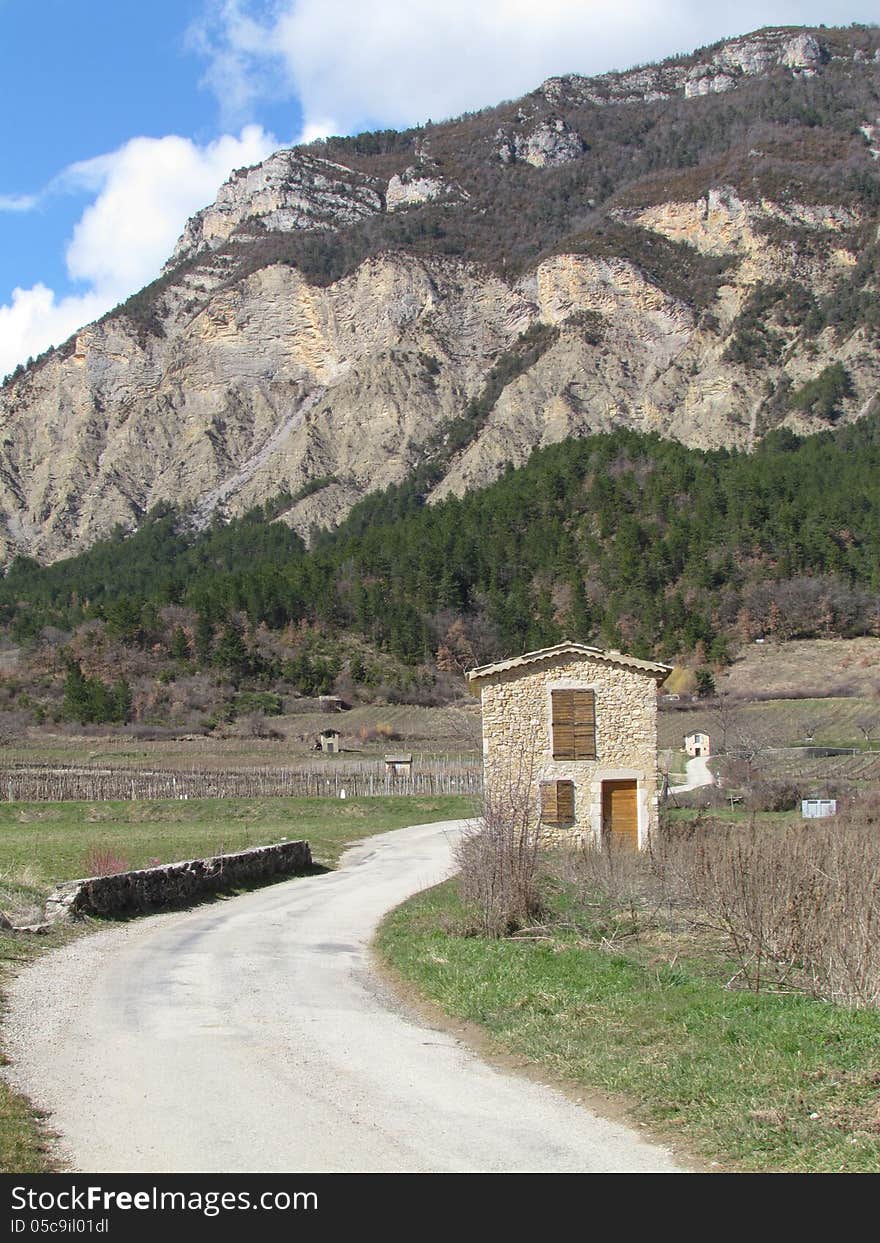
x: 622, y: 539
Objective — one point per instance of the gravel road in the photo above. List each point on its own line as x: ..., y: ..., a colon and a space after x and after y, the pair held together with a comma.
x: 252, y: 1035
x: 697, y: 774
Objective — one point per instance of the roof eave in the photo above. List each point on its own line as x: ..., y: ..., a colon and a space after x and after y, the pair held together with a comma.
x: 650, y: 668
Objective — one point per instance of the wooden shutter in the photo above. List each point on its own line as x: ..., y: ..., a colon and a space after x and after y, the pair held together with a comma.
x: 565, y: 801
x: 549, y: 805
x: 574, y: 724
x: 557, y: 802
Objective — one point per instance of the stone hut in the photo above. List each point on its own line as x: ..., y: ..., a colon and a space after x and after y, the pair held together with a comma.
x: 328, y: 741
x: 574, y: 730
x: 697, y: 743
x: 399, y: 765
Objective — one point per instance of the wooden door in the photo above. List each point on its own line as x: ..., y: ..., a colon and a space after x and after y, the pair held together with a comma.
x: 620, y: 814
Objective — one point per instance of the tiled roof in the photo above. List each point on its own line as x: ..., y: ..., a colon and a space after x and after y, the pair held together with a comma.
x: 651, y: 668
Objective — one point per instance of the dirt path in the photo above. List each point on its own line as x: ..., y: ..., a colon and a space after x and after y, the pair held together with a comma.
x: 252, y: 1035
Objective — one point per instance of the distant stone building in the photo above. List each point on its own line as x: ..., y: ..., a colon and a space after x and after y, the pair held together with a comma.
x: 328, y: 741
x: 697, y: 743
x: 399, y: 765
x: 575, y: 726
x: 331, y: 703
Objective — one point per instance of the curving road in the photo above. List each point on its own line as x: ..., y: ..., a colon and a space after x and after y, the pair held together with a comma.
x: 251, y: 1035
x: 697, y: 774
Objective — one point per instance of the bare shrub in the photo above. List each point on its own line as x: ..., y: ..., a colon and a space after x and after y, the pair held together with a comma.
x: 380, y: 732
x: 498, y: 860
x: 772, y: 796
x: 616, y: 888
x: 799, y: 905
x: 255, y: 725
x: 21, y: 894
x: 103, y: 861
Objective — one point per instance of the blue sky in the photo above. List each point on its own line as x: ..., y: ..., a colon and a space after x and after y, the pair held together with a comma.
x: 122, y: 118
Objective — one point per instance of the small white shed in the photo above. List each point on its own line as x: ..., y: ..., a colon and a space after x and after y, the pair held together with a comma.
x: 818, y: 808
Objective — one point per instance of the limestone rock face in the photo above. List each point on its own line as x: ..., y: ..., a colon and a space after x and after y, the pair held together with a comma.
x: 413, y: 186
x: 872, y: 137
x: 269, y: 382
x: 290, y: 190
x: 551, y: 143
x: 253, y: 368
x: 723, y: 223
x: 803, y: 52
x: 699, y: 83
x: 722, y: 71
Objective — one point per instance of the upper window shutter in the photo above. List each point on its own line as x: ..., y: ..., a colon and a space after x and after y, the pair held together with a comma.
x: 574, y: 724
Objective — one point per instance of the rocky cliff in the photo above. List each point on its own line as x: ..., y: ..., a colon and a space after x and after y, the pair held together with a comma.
x: 697, y: 242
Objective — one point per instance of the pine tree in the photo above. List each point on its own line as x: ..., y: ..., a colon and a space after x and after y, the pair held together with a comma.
x: 77, y: 704
x: 122, y: 701
x: 180, y: 644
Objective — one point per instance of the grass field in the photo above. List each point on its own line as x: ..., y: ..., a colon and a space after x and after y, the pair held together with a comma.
x: 752, y: 1081
x: 43, y: 843
x: 452, y: 730
x: 805, y: 666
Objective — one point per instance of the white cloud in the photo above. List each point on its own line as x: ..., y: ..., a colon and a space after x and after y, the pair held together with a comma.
x: 18, y: 202
x: 145, y: 193
x: 400, y: 62
x: 232, y: 42
x: 148, y: 189
x: 35, y: 318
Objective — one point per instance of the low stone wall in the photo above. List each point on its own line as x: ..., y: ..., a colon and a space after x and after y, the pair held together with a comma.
x: 174, y: 884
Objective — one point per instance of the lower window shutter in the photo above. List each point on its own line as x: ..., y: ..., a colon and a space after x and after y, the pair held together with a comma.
x: 557, y: 802
x: 565, y: 801
x: 549, y: 808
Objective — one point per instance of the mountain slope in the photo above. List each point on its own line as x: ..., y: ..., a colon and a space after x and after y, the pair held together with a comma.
x: 689, y: 248
x: 622, y: 539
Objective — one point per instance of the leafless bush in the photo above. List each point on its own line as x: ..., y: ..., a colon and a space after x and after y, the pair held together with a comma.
x: 255, y: 725
x: 772, y: 796
x: 156, y: 733
x: 498, y: 860
x: 103, y: 861
x: 616, y: 887
x: 380, y: 732
x: 800, y: 905
x: 824, y: 690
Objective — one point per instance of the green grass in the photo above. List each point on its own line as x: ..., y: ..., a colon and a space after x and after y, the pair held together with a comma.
x: 675, y: 761
x: 49, y: 842
x: 735, y: 815
x: 735, y: 1076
